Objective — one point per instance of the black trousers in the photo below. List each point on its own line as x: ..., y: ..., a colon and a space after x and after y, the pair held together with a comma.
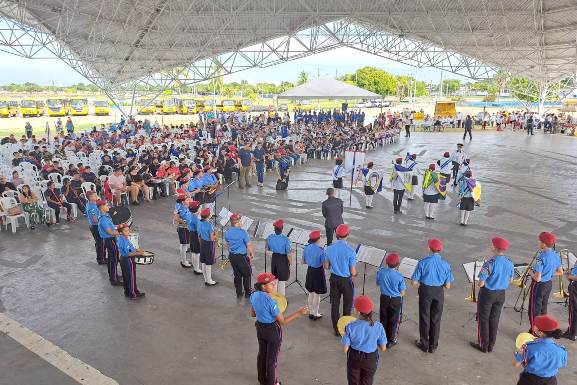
x: 113, y: 257
x: 390, y: 315
x: 361, y: 367
x: 489, y: 308
x: 407, y: 131
x: 340, y: 286
x: 468, y: 130
x: 269, y: 341
x: 572, y: 290
x: 431, y: 300
x: 242, y: 271
x: 330, y: 233
x: 538, y: 299
x: 531, y: 379
x: 530, y: 129
x: 98, y: 244
x: 56, y: 209
x: 398, y: 199
x: 455, y: 172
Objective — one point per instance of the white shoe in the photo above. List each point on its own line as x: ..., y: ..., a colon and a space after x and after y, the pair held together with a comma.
x: 185, y: 264
x: 260, y: 185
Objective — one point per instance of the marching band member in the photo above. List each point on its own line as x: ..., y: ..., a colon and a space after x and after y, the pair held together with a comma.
x: 372, y: 183
x: 92, y: 213
x: 280, y: 261
x: 547, y: 264
x: 341, y: 260
x: 269, y: 323
x: 107, y: 232
x: 445, y: 166
x: 392, y: 286
x: 541, y: 359
x: 209, y: 179
x: 465, y: 166
x: 192, y: 226
x: 494, y: 278
x: 338, y: 174
x: 127, y: 253
x: 457, y: 159
x: 314, y: 256
x: 398, y: 184
x: 411, y: 164
x: 207, y: 238
x: 180, y: 215
x: 240, y: 254
x: 433, y: 274
x: 361, y: 342
x: 466, y: 186
x: 571, y: 332
x: 430, y: 192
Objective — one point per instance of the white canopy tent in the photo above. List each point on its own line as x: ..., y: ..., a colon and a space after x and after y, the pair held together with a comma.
x: 327, y: 88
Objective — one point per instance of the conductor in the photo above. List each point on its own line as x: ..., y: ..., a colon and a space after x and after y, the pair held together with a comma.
x: 333, y: 212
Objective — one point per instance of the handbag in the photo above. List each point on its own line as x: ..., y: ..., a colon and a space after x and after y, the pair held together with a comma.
x: 281, y: 184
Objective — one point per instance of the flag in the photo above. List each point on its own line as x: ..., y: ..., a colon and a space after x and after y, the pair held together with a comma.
x: 441, y: 186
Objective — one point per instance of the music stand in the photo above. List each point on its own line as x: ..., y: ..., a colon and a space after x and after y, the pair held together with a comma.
x: 369, y: 256
x: 298, y: 237
x: 223, y: 219
x: 265, y: 229
x: 407, y: 267
x: 471, y: 271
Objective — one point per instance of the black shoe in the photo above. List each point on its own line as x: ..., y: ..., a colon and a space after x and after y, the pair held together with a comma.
x: 390, y: 344
x: 317, y: 317
x: 185, y: 266
x: 337, y: 334
x: 197, y: 272
x: 569, y: 336
x: 489, y: 349
x: 102, y: 262
x: 420, y: 345
x: 211, y: 284
x: 117, y: 283
x: 311, y: 317
x: 135, y: 297
x: 135, y: 204
x: 478, y: 347
x: 247, y: 295
x: 432, y: 350
x: 140, y: 294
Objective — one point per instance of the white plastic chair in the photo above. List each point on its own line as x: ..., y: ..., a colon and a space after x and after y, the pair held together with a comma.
x: 88, y: 186
x: 10, y: 194
x: 56, y: 178
x: 108, y: 169
x: 7, y: 203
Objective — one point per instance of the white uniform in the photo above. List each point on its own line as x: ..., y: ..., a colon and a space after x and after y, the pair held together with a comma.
x: 371, y: 182
x: 446, y: 166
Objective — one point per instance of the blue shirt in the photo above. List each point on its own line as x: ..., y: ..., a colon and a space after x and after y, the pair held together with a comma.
x: 195, y: 184
x: 497, y: 273
x: 125, y: 247
x: 237, y: 239
x: 192, y: 221
x: 264, y: 306
x: 433, y: 271
x: 204, y: 229
x: 105, y: 222
x: 341, y: 258
x: 92, y: 211
x: 259, y: 154
x: 361, y: 336
x: 391, y: 282
x: 245, y: 157
x: 542, y: 357
x: 314, y: 255
x: 548, y: 261
x: 208, y: 178
x: 574, y: 269
x: 279, y: 244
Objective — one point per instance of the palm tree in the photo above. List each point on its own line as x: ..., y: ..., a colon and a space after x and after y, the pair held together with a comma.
x: 303, y: 78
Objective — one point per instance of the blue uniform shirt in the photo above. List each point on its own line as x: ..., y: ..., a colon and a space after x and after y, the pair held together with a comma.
x: 574, y: 269
x: 314, y: 255
x: 204, y: 229
x: 391, y: 282
x: 341, y: 257
x: 245, y: 157
x: 192, y: 221
x: 124, y: 246
x: 542, y: 357
x: 264, y: 306
x: 105, y: 222
x: 237, y: 239
x: 279, y: 244
x: 208, y: 178
x: 259, y: 154
x: 361, y: 336
x: 195, y: 184
x: 497, y: 273
x: 548, y: 261
x: 433, y: 271
x: 92, y: 210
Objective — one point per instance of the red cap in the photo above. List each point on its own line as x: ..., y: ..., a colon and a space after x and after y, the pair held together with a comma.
x: 121, y: 226
x: 342, y: 230
x: 278, y: 223
x: 446, y: 154
x: 180, y: 191
x: 193, y: 204
x: 363, y: 304
x: 339, y: 159
x: 399, y: 160
x: 414, y: 156
x: 186, y: 170
x: 314, y: 234
x: 370, y: 164
x: 235, y: 217
x: 435, y: 244
x: 265, y: 278
x: 232, y: 148
x: 181, y: 197
x: 432, y: 167
x: 101, y: 202
x: 546, y: 323
x: 392, y: 259
x: 205, y: 212
x: 500, y: 243
x: 547, y: 238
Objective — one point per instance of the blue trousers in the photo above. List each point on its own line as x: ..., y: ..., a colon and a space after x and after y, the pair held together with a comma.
x: 260, y: 171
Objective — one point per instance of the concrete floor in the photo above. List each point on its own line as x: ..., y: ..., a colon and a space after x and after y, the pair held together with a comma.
x: 183, y: 332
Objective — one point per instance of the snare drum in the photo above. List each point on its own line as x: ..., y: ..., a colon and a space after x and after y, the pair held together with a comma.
x: 120, y: 215
x: 146, y: 258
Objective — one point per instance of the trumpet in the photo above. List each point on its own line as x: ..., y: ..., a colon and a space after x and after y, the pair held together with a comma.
x: 562, y: 294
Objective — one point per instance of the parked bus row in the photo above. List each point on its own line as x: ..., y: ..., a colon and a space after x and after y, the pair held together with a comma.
x: 187, y: 106
x: 28, y: 107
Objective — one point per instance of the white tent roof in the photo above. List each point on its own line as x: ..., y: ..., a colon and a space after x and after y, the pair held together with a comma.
x: 327, y: 88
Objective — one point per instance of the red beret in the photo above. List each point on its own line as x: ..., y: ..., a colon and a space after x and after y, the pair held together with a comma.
x: 446, y: 154
x: 235, y: 217
x: 414, y: 156
x: 399, y: 160
x: 181, y: 197
x: 392, y: 259
x: 363, y: 304
x: 547, y: 238
x: 342, y: 230
x: 500, y: 243
x: 180, y: 191
x: 370, y: 164
x: 186, y: 170
x: 193, y: 204
x: 339, y: 159
x: 546, y: 323
x: 278, y: 223
x: 205, y: 212
x: 435, y: 244
x: 122, y: 226
x: 265, y: 278
x: 432, y: 167
x: 314, y: 234
x: 101, y: 202
x: 232, y: 148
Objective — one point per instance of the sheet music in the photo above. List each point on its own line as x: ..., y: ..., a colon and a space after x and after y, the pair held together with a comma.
x: 267, y: 229
x: 572, y: 260
x: 471, y: 270
x: 224, y: 216
x: 407, y: 267
x: 370, y: 255
x: 299, y: 236
x: 246, y: 222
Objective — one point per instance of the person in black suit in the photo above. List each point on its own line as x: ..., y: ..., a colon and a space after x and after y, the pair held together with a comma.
x: 333, y: 212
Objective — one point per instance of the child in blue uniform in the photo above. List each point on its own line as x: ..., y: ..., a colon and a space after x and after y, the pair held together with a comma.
x: 280, y: 261
x: 361, y: 342
x: 571, y: 332
x: 180, y: 215
x: 92, y: 213
x: 127, y: 253
x: 316, y: 284
x: 269, y: 323
x: 107, y: 232
x: 192, y: 221
x: 240, y: 254
x: 541, y: 358
x: 207, y: 238
x: 392, y: 286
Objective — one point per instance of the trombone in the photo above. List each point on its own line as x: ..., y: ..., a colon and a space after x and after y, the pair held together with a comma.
x: 562, y: 294
x: 521, y: 283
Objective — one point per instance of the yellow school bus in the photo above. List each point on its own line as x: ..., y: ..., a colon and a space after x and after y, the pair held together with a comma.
x: 78, y: 106
x: 41, y: 106
x: 4, y: 110
x: 303, y: 105
x: 227, y: 105
x: 445, y: 109
x: 210, y: 104
x: 28, y: 108
x: 243, y: 105
x: 13, y: 107
x: 56, y: 107
x: 145, y: 107
x: 186, y: 106
x: 165, y: 106
x: 101, y: 107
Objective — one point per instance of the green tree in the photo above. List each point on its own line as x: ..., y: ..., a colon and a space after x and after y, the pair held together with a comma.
x: 303, y: 78
x: 450, y: 86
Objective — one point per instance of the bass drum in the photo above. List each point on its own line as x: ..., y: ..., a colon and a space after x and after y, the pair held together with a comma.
x: 120, y: 215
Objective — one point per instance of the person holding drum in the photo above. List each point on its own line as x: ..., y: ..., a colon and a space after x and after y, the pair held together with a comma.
x: 269, y: 323
x: 207, y: 238
x: 316, y: 284
x: 107, y: 232
x: 361, y: 342
x: 280, y: 262
x: 127, y: 253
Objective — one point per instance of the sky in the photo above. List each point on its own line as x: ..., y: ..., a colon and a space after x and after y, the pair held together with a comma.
x: 14, y: 69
